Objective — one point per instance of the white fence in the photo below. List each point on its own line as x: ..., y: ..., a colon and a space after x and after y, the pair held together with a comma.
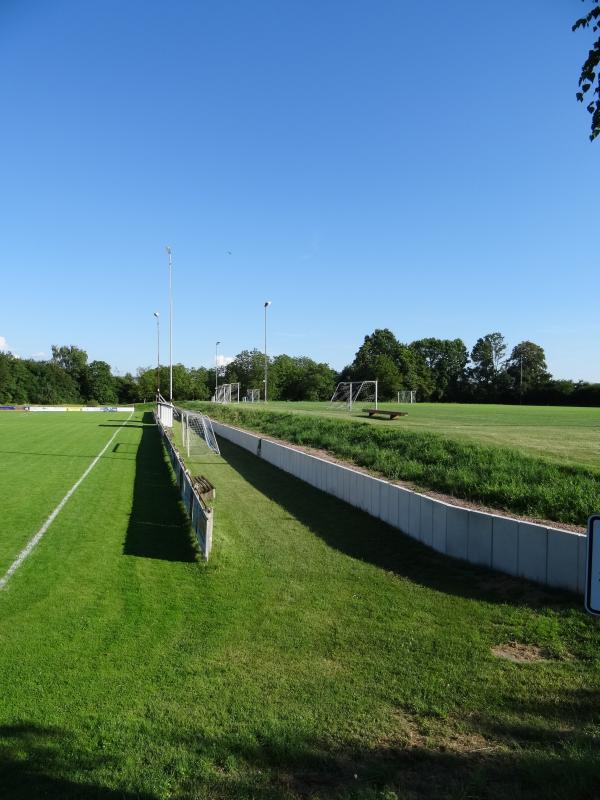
x: 200, y: 515
x: 549, y: 556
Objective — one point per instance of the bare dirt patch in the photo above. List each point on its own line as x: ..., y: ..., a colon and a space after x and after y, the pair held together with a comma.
x: 520, y: 653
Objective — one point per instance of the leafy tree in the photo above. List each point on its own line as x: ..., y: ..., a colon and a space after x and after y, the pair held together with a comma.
x: 247, y: 369
x: 527, y: 367
x: 446, y: 361
x: 72, y: 359
x: 199, y: 388
x: 300, y: 378
x: 99, y: 384
x: 388, y: 377
x: 412, y: 373
x: 590, y: 74
x: 126, y: 388
x: 487, y: 355
x: 381, y: 342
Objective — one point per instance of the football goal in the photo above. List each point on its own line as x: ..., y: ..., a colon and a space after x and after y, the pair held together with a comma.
x: 252, y: 396
x: 347, y: 393
x: 227, y: 393
x: 407, y: 396
x: 197, y: 433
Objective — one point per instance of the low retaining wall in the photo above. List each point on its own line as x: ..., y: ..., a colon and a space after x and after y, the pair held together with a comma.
x: 200, y: 516
x: 549, y: 556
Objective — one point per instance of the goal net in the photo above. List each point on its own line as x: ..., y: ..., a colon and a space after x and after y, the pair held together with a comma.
x: 407, y: 396
x: 252, y: 395
x: 227, y: 393
x: 198, y: 434
x: 347, y: 393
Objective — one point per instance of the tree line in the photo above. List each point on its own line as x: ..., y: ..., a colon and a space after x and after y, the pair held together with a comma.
x: 439, y: 370
x: 443, y: 370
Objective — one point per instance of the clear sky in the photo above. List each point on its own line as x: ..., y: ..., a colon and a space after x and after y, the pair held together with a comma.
x: 421, y: 166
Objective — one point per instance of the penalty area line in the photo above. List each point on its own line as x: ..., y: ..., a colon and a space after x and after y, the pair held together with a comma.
x: 33, y: 542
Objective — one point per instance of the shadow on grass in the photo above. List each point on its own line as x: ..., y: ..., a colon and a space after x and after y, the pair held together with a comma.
x: 36, y: 762
x: 473, y: 763
x: 363, y: 537
x: 158, y: 526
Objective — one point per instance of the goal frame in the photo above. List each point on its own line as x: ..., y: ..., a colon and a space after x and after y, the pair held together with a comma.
x: 227, y: 393
x: 355, y: 389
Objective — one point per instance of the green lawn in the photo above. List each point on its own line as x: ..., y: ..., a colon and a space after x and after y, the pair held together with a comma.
x: 569, y: 435
x: 319, y: 654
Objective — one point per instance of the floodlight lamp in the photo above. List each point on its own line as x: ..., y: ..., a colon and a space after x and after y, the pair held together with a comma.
x: 267, y: 304
x: 168, y: 249
x: 156, y: 314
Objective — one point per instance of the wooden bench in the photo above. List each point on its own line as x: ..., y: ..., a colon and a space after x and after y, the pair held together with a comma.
x: 389, y: 413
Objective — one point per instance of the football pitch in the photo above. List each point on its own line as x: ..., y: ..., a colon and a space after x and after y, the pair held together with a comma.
x: 319, y: 654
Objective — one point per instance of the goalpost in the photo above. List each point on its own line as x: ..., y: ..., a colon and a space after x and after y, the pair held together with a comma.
x: 252, y: 396
x: 197, y: 433
x: 347, y: 393
x: 227, y: 393
x: 407, y: 396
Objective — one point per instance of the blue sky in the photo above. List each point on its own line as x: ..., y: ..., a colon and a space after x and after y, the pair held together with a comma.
x: 418, y: 166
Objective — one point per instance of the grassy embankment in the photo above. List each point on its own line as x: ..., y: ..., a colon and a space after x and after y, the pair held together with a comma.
x: 500, y: 477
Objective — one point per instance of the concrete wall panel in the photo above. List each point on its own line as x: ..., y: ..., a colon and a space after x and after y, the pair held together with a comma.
x: 414, y: 515
x: 426, y: 521
x: 533, y: 552
x: 480, y: 539
x: 439, y: 527
x: 457, y: 532
x: 403, y: 508
x: 505, y: 545
x: 563, y: 559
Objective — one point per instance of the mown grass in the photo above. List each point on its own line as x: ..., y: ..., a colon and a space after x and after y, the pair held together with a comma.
x: 499, y: 477
x: 564, y: 434
x: 41, y: 457
x: 319, y: 654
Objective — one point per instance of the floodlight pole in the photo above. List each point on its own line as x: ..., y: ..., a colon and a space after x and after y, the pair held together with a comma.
x: 267, y: 304
x: 169, y: 252
x: 157, y: 315
x: 216, y: 369
x: 521, y: 387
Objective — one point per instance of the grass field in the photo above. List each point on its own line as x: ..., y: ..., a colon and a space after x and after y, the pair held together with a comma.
x: 319, y: 654
x: 504, y: 478
x: 567, y: 435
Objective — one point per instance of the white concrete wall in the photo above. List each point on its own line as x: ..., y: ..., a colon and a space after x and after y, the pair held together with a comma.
x: 548, y: 556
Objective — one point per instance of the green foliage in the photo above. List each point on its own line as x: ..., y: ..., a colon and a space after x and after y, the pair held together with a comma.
x: 589, y: 77
x: 300, y: 378
x: 487, y: 357
x: 402, y: 368
x: 72, y: 359
x: 527, y: 367
x: 247, y: 369
x: 499, y: 477
x: 446, y: 361
x: 99, y: 384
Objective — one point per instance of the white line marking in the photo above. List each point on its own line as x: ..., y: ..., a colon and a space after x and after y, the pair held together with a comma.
x: 31, y: 544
